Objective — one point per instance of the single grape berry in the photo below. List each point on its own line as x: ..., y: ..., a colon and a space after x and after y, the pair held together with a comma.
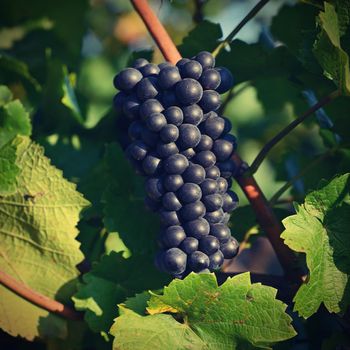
x: 205, y: 143
x: 189, y: 193
x: 175, y: 164
x: 169, y: 133
x: 149, y: 69
x: 139, y: 62
x: 212, y: 172
x: 230, y: 201
x: 189, y: 245
x: 197, y: 228
x: 210, y: 79
x: 227, y: 168
x: 149, y: 107
x: 168, y: 218
x: 209, y: 245
x: 168, y: 77
x: 214, y: 217
x: 228, y: 126
x: 134, y: 130
x: 222, y: 149
x: 170, y: 202
x: 193, y: 114
x: 189, y: 136
x: 195, y: 173
x: 192, y: 211
x: 210, y: 101
x: 147, y: 88
x: 151, y: 164
x: 188, y: 153
x: 119, y: 100
x: 222, y: 185
x: 138, y: 150
x: 206, y: 59
x: 173, y: 182
x: 174, y: 115
x: 172, y: 236
x: 156, y: 122
x: 209, y: 186
x: 182, y: 61
x: 212, y: 202
x: 191, y: 69
x: 198, y: 261
x: 154, y: 188
x: 214, y: 127
x: 229, y: 248
x: 226, y: 80
x: 216, y: 260
x: 165, y: 150
x: 174, y: 261
x: 205, y: 158
x: 127, y: 79
x: 188, y: 91
x: 220, y: 231
x: 131, y: 107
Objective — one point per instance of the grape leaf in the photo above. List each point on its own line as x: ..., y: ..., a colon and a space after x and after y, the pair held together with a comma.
x: 320, y: 230
x: 5, y: 95
x: 8, y: 169
x: 333, y: 59
x: 14, y: 120
x: 110, y: 282
x: 237, y: 314
x: 38, y: 246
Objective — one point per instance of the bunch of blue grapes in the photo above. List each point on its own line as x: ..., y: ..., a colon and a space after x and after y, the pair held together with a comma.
x: 177, y: 140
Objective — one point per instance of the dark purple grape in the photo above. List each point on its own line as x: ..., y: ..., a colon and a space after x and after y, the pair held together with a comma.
x: 226, y: 80
x: 212, y: 172
x: 134, y: 130
x: 212, y: 202
x: 188, y: 91
x: 197, y: 228
x: 230, y: 248
x: 193, y: 114
x: 210, y: 79
x: 206, y: 59
x: 119, y: 100
x: 168, y: 218
x: 147, y: 88
x: 182, y: 61
x: 164, y: 65
x: 222, y: 185
x: 205, y: 158
x: 189, y: 245
x: 173, y: 182
x: 175, y: 164
x: 149, y: 69
x: 192, y: 211
x: 169, y: 133
x: 156, y: 122
x: 225, y: 219
x: 195, y: 173
x: 138, y: 150
x: 189, y: 136
x: 205, y: 144
x: 149, y: 107
x: 174, y: 115
x: 150, y: 138
x: 131, y: 107
x: 168, y: 77
x: 222, y: 149
x: 214, y: 217
x: 230, y: 138
x: 169, y: 99
x: 172, y: 236
x: 227, y: 168
x: 198, y: 261
x: 229, y: 182
x: 188, y: 153
x: 166, y: 150
x: 174, y: 261
x: 191, y: 69
x: 127, y: 79
x: 209, y: 186
x: 151, y: 204
x: 220, y: 231
x: 170, y: 202
x: 210, y: 101
x: 216, y: 260
x: 154, y: 188
x: 214, y: 126
x: 228, y: 125
x: 151, y: 164
x: 189, y: 193
x: 139, y: 62
x: 209, y: 244
x: 230, y: 201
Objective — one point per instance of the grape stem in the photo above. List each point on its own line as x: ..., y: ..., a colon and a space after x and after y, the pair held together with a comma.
x: 240, y: 25
x: 283, y: 133
x: 264, y: 213
x: 39, y: 299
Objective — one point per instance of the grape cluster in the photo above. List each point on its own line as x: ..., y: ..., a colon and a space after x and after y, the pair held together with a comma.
x: 177, y: 140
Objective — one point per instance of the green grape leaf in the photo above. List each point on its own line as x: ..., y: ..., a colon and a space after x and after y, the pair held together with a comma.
x: 138, y: 303
x: 38, y: 246
x: 235, y: 315
x: 320, y: 230
x: 204, y: 37
x: 14, y: 120
x: 327, y: 49
x: 8, y: 169
x: 110, y: 282
x: 5, y: 95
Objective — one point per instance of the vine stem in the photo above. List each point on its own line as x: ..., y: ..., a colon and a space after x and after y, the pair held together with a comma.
x: 283, y: 133
x: 240, y: 25
x: 288, y: 184
x: 39, y: 299
x: 264, y: 213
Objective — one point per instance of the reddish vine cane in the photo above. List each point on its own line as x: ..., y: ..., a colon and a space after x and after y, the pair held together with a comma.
x: 264, y: 213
